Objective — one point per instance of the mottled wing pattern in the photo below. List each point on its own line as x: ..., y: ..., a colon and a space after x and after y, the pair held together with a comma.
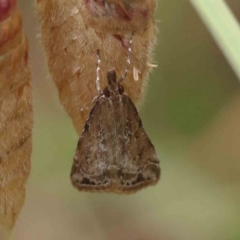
x: 139, y: 161
x: 90, y: 167
x: 114, y: 153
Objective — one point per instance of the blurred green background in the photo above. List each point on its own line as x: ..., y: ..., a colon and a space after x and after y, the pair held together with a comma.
x: 192, y: 114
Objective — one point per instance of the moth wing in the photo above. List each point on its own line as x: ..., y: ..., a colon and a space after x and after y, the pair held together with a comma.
x: 90, y: 166
x: 140, y: 162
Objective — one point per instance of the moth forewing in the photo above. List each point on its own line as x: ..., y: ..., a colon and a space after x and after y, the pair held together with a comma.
x: 114, y: 153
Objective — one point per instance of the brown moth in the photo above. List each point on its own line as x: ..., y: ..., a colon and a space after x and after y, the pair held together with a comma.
x: 114, y: 153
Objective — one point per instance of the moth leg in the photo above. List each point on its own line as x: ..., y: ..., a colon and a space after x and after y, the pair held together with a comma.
x: 128, y: 62
x: 98, y: 69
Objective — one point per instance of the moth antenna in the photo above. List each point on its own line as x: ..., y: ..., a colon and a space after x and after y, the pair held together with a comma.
x: 98, y: 69
x: 128, y: 60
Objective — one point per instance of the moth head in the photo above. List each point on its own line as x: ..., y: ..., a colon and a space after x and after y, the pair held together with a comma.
x: 113, y: 86
x: 112, y: 78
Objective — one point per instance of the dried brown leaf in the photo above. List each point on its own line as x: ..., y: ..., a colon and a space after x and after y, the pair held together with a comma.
x: 73, y: 30
x: 16, y: 115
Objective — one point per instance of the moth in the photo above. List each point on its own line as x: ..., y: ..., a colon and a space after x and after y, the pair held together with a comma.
x: 114, y: 153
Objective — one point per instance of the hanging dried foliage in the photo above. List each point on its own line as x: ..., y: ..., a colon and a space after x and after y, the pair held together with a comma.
x: 73, y: 30
x: 16, y: 116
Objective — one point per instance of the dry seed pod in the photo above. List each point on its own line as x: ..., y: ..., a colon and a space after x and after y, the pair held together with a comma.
x: 73, y: 30
x: 16, y: 116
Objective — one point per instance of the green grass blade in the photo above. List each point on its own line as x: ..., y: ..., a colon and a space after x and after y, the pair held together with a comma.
x: 223, y: 26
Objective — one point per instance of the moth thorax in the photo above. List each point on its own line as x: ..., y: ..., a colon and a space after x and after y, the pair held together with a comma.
x: 107, y: 92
